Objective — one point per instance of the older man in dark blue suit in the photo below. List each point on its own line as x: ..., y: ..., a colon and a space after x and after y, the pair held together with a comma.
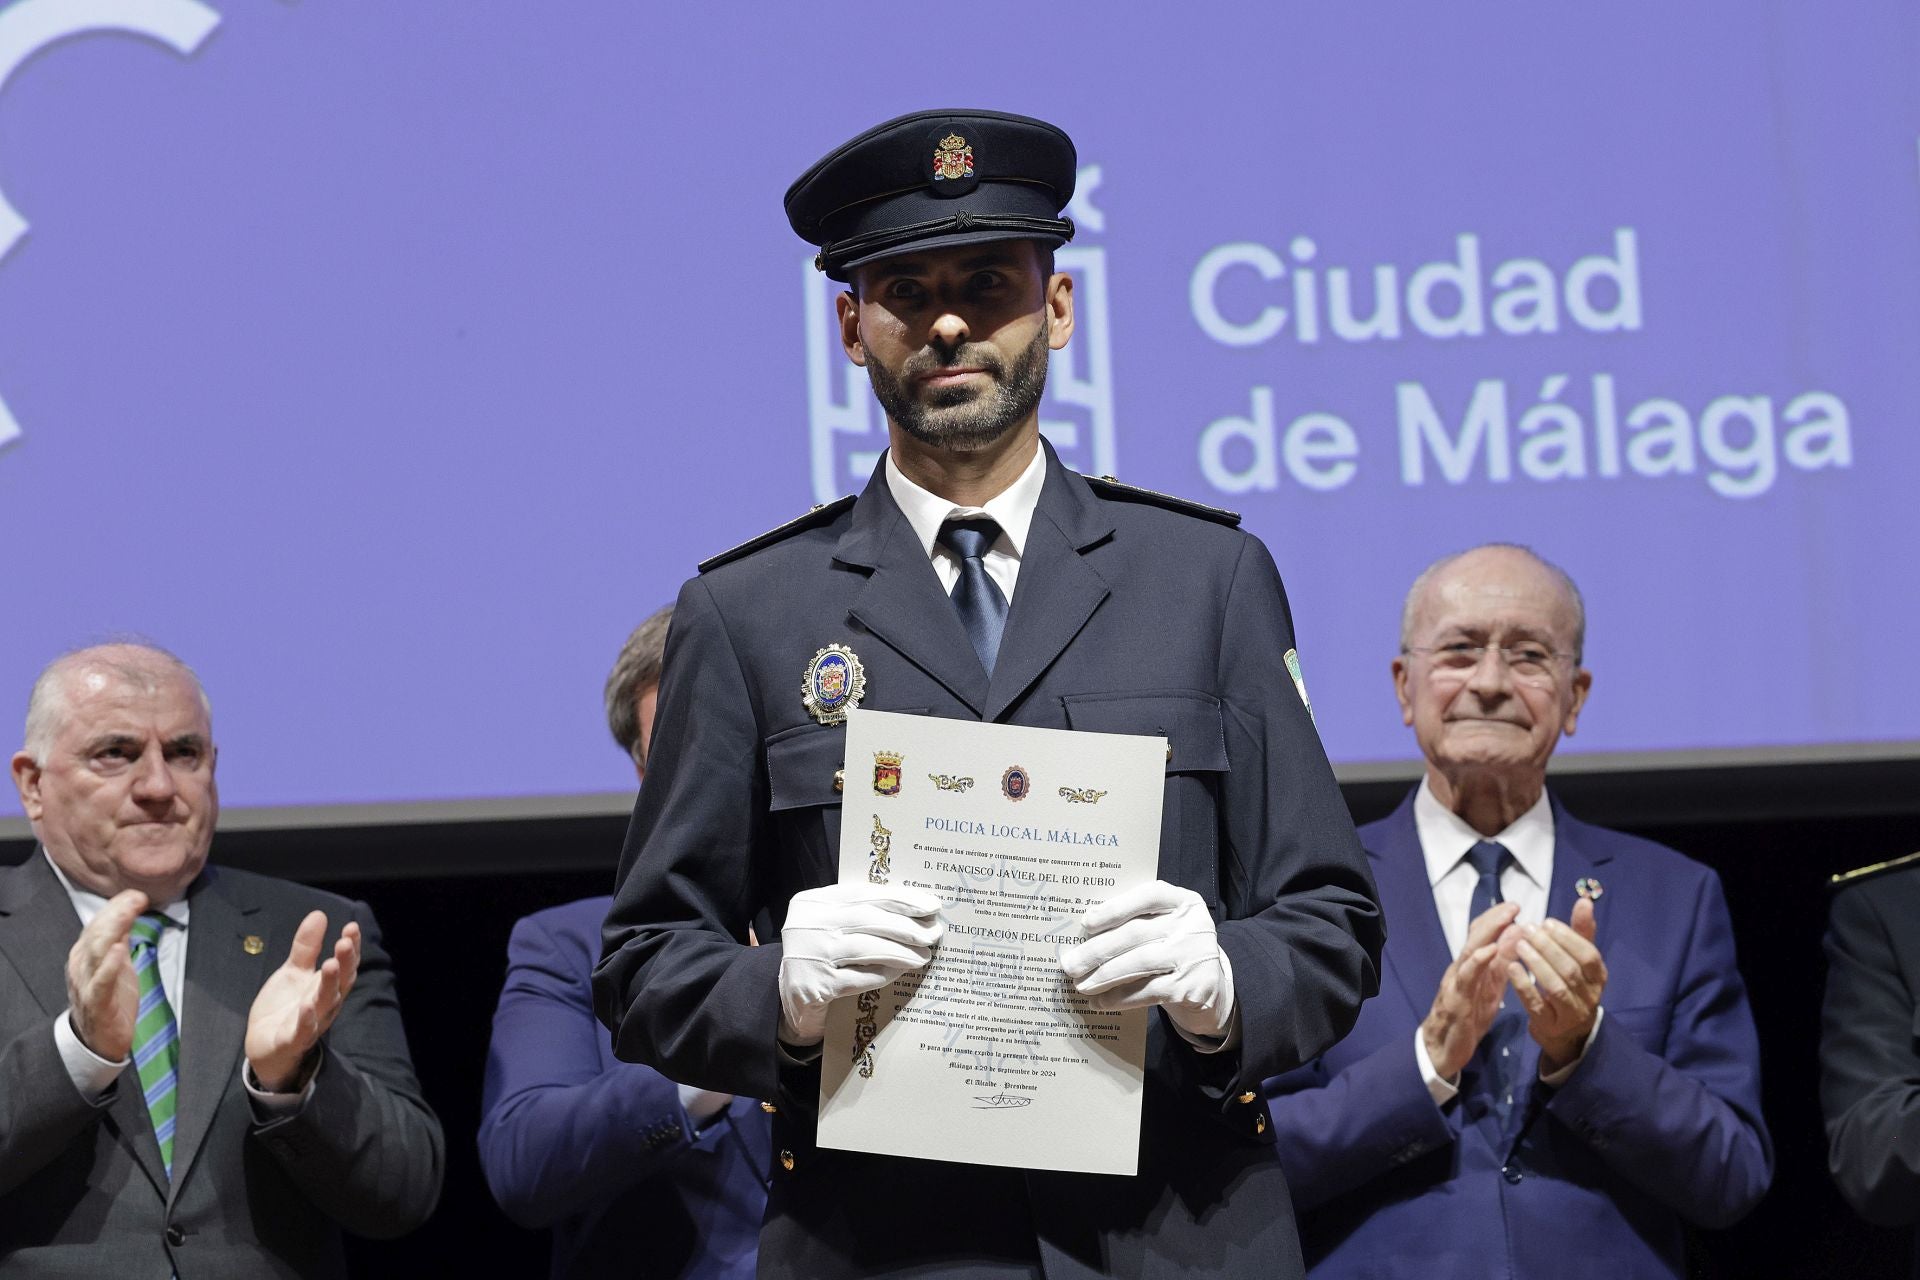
x: 1490, y: 1115
x: 977, y: 578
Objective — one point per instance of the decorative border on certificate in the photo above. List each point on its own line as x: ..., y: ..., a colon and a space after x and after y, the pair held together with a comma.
x: 882, y: 842
x: 865, y: 1028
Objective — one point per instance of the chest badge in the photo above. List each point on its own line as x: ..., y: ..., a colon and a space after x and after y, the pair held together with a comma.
x: 834, y: 683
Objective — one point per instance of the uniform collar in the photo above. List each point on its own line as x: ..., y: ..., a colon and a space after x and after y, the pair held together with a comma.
x: 1445, y: 836
x: 1012, y: 508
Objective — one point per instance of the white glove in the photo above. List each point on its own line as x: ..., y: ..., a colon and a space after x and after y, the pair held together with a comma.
x: 1156, y: 944
x: 842, y: 939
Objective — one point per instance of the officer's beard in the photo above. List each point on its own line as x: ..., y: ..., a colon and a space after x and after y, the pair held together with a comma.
x: 961, y: 418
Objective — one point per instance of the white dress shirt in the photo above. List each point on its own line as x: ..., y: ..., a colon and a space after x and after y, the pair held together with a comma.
x: 1011, y: 509
x: 1445, y: 839
x: 92, y: 1074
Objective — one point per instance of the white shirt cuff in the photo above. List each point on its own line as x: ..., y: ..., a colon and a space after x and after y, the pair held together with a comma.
x: 91, y: 1074
x: 1440, y: 1089
x: 701, y: 1105
x: 276, y: 1106
x: 1558, y: 1078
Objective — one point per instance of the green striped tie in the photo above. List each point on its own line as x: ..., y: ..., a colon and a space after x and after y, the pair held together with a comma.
x: 156, y: 1040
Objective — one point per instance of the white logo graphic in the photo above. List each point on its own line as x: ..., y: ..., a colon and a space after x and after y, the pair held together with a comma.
x: 847, y: 431
x: 29, y: 26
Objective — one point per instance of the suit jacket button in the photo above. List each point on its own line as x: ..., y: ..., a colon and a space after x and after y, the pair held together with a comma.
x: 769, y: 1108
x: 786, y: 1161
x: 1248, y: 1096
x: 175, y: 1236
x: 1513, y: 1173
x: 839, y: 781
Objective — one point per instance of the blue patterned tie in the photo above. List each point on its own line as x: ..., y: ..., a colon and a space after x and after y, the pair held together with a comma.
x: 156, y: 1037
x: 1499, y: 1049
x: 983, y: 610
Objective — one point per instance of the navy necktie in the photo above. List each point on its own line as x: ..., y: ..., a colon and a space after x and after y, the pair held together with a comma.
x: 1499, y: 1050
x: 983, y: 610
x: 1489, y: 858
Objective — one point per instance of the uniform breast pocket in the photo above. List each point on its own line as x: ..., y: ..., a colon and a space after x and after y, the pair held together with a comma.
x: 804, y: 781
x: 1191, y: 723
x: 803, y: 790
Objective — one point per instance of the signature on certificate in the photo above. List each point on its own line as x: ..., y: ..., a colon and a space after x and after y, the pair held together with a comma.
x: 1001, y: 1101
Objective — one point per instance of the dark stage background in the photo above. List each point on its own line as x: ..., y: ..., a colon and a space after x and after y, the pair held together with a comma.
x: 1774, y: 834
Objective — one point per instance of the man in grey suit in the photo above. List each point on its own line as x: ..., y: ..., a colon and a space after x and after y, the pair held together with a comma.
x: 174, y: 1098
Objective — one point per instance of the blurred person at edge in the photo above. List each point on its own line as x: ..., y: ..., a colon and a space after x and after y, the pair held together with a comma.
x: 1869, y: 1053
x: 199, y: 1075
x: 1488, y: 1115
x: 636, y: 1176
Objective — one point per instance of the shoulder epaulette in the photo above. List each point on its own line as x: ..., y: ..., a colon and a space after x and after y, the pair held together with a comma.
x: 1108, y: 487
x: 818, y: 516
x: 1868, y: 872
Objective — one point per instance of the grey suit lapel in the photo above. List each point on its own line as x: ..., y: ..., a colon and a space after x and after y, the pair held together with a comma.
x: 224, y: 973
x: 38, y: 927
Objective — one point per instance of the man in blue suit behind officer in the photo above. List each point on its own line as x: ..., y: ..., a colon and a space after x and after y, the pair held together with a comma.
x: 977, y: 578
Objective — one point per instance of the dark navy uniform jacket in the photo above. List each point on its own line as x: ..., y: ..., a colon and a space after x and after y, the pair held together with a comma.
x: 1870, y: 1045
x: 1132, y: 614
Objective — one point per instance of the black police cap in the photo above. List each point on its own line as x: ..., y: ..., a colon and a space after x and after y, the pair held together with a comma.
x: 932, y: 179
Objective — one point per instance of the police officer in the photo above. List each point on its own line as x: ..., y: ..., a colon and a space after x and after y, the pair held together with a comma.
x: 1869, y: 1050
x: 977, y: 578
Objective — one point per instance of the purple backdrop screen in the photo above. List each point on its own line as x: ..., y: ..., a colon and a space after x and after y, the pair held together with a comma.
x: 390, y: 362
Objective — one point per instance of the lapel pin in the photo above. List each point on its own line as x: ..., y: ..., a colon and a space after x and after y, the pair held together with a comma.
x: 253, y: 944
x: 1589, y: 888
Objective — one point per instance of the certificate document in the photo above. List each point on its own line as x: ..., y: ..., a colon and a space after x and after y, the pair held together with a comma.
x: 986, y: 1055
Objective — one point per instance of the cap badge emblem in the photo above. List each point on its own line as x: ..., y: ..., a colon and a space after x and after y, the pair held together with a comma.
x: 834, y: 683
x: 952, y: 159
